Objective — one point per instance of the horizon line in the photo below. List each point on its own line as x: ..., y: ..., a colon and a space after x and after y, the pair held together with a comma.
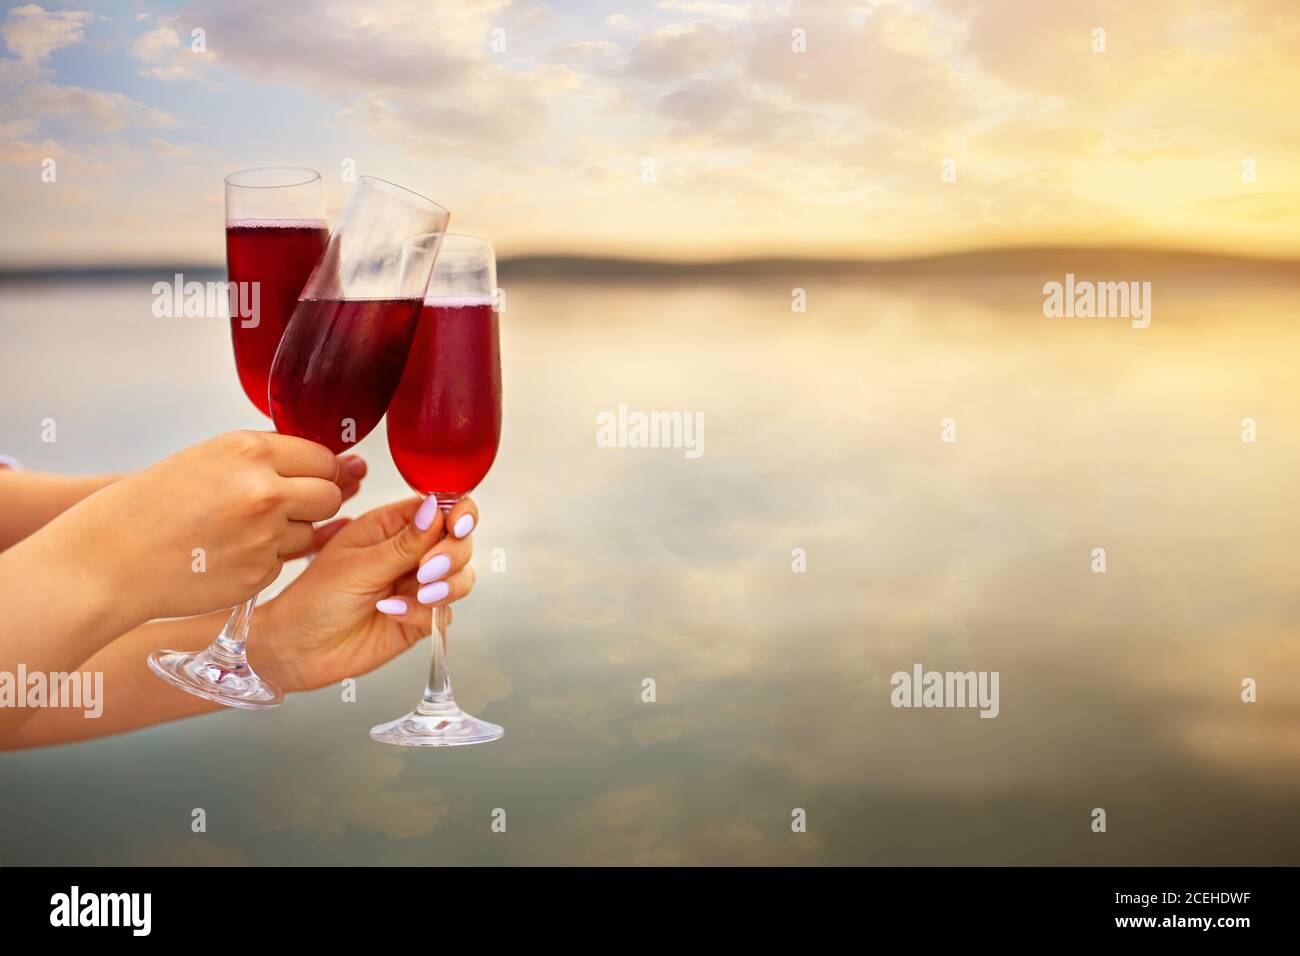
x: 572, y: 265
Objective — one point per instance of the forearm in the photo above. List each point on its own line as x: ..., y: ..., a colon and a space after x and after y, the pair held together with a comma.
x: 132, y: 696
x: 55, y: 613
x: 31, y: 499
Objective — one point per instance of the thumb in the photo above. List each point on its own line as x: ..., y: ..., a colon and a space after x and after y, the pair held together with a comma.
x: 319, y: 538
x: 420, y: 528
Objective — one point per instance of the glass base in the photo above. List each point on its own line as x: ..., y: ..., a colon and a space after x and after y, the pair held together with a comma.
x: 449, y: 727
x: 203, y: 675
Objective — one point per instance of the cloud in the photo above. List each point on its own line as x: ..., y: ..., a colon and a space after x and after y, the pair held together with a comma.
x: 12, y: 129
x: 93, y: 109
x: 19, y: 152
x: 482, y: 121
x: 32, y: 33
x: 587, y: 50
x: 32, y: 100
x: 715, y: 9
x: 15, y: 73
x: 164, y: 148
x: 660, y: 728
x: 164, y: 57
x: 867, y: 68
x: 619, y: 21
x: 198, y: 849
x: 543, y: 141
x: 341, y: 48
x: 678, y: 51
x: 334, y: 804
x: 631, y: 825
x: 418, y: 74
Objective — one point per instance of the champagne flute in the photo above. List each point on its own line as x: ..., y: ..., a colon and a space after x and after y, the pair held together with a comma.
x: 334, y: 372
x: 275, y: 234
x: 444, y: 427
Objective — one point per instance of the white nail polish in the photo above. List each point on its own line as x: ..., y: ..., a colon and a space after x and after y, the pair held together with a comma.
x: 428, y: 511
x: 464, y: 525
x: 433, y: 592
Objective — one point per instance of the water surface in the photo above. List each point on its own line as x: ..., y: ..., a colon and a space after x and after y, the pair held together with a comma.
x: 822, y: 433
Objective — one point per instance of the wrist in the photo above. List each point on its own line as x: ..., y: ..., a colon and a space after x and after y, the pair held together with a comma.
x: 265, y: 640
x: 107, y: 584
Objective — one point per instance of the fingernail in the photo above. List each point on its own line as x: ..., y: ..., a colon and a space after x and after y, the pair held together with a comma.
x: 434, y: 568
x: 355, y: 467
x: 391, y: 606
x: 428, y: 511
x: 433, y: 592
x: 464, y: 525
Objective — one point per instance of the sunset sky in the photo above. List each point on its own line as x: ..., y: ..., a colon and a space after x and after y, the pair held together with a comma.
x: 756, y: 148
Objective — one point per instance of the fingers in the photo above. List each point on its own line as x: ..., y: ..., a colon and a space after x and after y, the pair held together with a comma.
x: 321, y: 536
x: 463, y: 518
x: 300, y: 458
x: 379, y: 524
x: 402, y: 552
x: 445, y: 558
x: 405, y: 609
x: 296, y: 538
x: 452, y: 588
x: 311, y: 499
x: 352, y: 468
x: 417, y: 610
x: 395, y: 536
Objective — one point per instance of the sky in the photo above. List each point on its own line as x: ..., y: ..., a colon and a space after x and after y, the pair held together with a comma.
x: 673, y: 129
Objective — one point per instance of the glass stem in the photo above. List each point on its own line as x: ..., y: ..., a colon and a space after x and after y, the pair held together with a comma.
x: 228, y: 648
x: 437, y: 700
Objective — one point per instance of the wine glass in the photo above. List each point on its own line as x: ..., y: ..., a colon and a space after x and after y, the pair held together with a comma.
x: 275, y: 234
x: 334, y: 372
x: 343, y: 351
x: 444, y: 426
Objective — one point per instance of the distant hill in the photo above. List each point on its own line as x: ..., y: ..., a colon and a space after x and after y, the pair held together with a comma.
x: 1110, y: 262
x: 1117, y: 263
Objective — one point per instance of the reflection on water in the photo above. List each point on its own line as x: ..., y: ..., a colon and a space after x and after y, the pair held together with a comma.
x: 822, y: 432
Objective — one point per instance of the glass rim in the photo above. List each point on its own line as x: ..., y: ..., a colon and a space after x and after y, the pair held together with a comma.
x: 311, y: 177
x: 472, y: 237
x: 408, y: 192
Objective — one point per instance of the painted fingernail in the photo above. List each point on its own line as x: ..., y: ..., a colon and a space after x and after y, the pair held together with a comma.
x: 434, y: 568
x: 355, y: 467
x: 391, y: 606
x: 433, y: 592
x: 464, y: 525
x: 428, y: 511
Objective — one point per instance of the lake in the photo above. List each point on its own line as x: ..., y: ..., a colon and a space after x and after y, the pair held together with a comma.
x: 913, y: 471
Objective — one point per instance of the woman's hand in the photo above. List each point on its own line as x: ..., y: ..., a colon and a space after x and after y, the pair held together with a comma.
x: 204, y: 529
x: 368, y: 595
x: 29, y: 500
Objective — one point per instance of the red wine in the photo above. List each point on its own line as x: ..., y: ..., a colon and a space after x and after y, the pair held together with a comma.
x: 338, y: 365
x: 279, y: 255
x: 444, y: 425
